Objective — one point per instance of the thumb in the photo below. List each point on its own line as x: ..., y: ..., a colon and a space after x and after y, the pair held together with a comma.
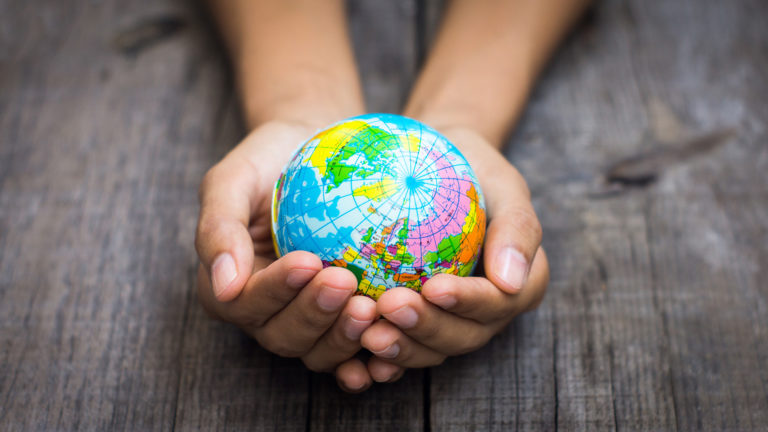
x: 514, y: 233
x: 222, y: 240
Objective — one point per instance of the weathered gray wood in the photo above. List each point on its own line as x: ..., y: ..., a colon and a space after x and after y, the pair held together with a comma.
x: 706, y: 222
x: 100, y: 160
x: 657, y: 315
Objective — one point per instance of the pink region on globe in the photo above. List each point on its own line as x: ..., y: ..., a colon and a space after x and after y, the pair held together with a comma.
x: 447, y: 223
x: 367, y: 250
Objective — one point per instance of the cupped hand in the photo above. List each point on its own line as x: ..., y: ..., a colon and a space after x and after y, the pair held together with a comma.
x: 291, y: 305
x: 456, y: 315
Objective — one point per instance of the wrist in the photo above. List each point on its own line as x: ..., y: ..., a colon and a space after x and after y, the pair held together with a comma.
x: 465, y: 102
x: 312, y: 98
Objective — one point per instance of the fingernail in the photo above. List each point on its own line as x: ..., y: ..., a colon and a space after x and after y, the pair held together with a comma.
x: 224, y: 271
x: 393, y: 375
x: 354, y: 328
x: 297, y: 278
x: 405, y: 317
x: 389, y: 352
x: 446, y: 301
x: 331, y: 299
x: 512, y: 267
x: 393, y: 371
x: 355, y: 386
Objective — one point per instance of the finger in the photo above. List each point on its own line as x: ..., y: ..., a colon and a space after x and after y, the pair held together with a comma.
x: 384, y: 371
x: 387, y: 342
x: 342, y: 340
x: 293, y: 331
x: 352, y: 376
x: 431, y: 326
x: 514, y: 231
x: 222, y: 240
x: 477, y: 298
x: 268, y: 291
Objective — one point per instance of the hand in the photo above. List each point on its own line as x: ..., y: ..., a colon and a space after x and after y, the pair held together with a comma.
x: 456, y: 315
x: 291, y: 306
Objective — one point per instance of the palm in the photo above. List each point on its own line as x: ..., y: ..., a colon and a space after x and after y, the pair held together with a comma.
x: 267, y: 150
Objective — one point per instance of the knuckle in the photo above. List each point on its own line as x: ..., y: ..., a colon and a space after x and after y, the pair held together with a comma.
x: 527, y: 224
x: 337, y: 341
x: 477, y: 339
x: 279, y: 345
x: 206, y: 227
x: 315, y: 364
x: 314, y: 318
x: 536, y: 302
x: 429, y: 329
x: 520, y: 181
x: 208, y: 178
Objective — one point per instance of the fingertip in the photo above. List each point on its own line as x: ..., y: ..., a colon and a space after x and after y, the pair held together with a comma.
x: 362, y: 308
x: 381, y: 339
x: 507, y: 268
x: 360, y: 314
x: 512, y: 240
x: 382, y: 371
x: 352, y: 376
x: 226, y: 250
x: 224, y: 275
x: 299, y: 267
x: 394, y: 299
x: 440, y: 290
x: 302, y: 259
x: 339, y: 278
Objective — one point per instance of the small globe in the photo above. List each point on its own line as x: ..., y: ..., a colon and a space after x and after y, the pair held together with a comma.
x: 384, y: 196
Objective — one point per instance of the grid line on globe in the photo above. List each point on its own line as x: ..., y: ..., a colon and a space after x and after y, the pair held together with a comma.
x: 384, y: 196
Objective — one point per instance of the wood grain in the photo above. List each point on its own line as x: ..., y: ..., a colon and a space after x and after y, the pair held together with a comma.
x: 657, y: 312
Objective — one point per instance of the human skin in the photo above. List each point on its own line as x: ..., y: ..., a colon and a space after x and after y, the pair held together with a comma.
x: 296, y: 74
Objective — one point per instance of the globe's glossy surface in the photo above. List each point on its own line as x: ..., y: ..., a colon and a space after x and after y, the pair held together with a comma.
x: 384, y: 196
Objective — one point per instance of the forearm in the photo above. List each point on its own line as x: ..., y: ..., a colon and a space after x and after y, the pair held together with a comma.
x: 485, y: 60
x: 292, y: 59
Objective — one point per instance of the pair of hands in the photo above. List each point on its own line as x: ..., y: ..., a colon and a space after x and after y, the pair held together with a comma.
x: 295, y: 308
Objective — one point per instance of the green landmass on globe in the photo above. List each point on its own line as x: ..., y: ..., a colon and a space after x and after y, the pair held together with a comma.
x: 385, y: 196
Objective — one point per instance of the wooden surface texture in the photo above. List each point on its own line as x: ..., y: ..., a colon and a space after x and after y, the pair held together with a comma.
x: 645, y: 145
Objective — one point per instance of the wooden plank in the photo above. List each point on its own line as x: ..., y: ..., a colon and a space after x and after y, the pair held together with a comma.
x: 384, y: 36
x: 706, y: 219
x: 657, y: 316
x: 101, y: 155
x: 384, y: 407
x: 90, y: 328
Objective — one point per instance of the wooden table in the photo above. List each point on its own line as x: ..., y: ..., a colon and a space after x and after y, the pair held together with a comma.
x: 645, y: 146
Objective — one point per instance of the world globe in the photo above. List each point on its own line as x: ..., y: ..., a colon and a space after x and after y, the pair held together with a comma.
x: 384, y: 196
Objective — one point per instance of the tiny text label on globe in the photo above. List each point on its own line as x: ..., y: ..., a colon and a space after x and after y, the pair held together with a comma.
x: 384, y: 196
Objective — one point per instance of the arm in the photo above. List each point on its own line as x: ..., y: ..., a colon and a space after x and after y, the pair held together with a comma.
x: 472, y: 89
x: 292, y: 58
x: 295, y: 73
x: 485, y: 61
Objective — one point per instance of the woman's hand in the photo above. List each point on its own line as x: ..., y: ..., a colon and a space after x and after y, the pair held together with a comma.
x: 291, y: 306
x: 456, y: 315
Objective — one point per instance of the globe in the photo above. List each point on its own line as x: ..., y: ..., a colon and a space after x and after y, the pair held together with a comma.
x: 384, y: 196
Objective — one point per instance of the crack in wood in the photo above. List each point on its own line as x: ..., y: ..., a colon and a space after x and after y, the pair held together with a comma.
x: 146, y: 33
x: 644, y: 169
